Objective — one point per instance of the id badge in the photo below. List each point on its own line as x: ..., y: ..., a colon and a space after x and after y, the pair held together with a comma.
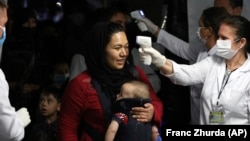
x: 216, y: 117
x: 217, y: 114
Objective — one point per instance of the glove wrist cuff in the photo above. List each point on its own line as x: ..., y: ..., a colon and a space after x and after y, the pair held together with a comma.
x: 160, y: 62
x: 153, y: 30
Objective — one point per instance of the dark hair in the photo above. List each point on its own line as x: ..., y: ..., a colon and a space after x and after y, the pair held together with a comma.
x: 25, y: 14
x: 212, y: 17
x: 51, y: 90
x: 104, y: 14
x: 241, y: 27
x: 113, y: 28
x: 3, y: 3
x: 236, y: 3
x: 111, y: 11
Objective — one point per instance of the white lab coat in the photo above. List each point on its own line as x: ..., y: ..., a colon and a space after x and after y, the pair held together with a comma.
x: 11, y: 128
x: 235, y: 97
x: 193, y: 52
x: 188, y: 51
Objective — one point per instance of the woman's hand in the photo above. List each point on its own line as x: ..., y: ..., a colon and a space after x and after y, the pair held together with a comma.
x: 143, y: 114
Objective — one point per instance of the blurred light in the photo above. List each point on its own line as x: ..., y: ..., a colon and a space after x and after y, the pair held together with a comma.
x: 59, y: 4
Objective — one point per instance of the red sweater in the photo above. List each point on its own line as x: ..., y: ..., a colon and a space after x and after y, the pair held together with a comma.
x: 81, y: 102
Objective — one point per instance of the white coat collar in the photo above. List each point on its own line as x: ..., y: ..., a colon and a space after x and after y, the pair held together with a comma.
x: 236, y: 74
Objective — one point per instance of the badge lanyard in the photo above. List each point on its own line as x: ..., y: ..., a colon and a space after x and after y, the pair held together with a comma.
x: 224, y: 82
x: 217, y: 115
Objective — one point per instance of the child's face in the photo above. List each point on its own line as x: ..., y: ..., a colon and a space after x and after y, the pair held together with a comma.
x: 48, y: 105
x: 126, y: 92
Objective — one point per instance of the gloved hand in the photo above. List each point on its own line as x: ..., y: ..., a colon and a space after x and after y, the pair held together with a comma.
x: 24, y: 116
x: 152, y: 28
x: 157, y: 59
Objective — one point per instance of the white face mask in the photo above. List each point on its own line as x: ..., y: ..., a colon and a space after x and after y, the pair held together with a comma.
x: 2, y: 39
x: 199, y: 35
x: 224, y: 49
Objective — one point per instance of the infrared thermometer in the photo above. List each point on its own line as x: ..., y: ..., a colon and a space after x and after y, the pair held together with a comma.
x: 137, y: 14
x: 145, y: 42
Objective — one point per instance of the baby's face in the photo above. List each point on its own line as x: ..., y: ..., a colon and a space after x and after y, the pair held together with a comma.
x: 126, y: 92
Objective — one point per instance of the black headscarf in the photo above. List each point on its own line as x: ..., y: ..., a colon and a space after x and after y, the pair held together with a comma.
x: 96, y: 40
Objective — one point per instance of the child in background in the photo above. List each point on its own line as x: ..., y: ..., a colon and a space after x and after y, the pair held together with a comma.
x: 49, y: 107
x: 123, y: 126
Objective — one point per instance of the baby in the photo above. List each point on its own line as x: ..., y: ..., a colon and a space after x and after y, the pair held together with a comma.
x: 123, y: 126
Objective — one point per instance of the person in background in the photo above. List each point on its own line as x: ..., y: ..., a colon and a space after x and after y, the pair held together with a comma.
x: 224, y: 98
x: 88, y: 98
x: 49, y: 107
x: 60, y: 74
x: 12, y: 123
x: 234, y: 7
x: 123, y: 126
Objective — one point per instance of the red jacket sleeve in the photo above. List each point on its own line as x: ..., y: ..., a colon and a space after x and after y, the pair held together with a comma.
x: 157, y: 103
x: 80, y: 102
x: 70, y: 113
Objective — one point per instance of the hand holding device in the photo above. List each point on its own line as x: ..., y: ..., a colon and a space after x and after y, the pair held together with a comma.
x: 145, y: 42
x: 144, y: 23
x: 138, y: 14
x: 157, y: 59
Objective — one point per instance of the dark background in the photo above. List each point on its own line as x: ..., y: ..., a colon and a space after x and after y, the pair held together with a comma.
x: 70, y: 28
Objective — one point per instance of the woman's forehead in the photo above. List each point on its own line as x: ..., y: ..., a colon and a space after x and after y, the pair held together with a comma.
x: 226, y: 31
